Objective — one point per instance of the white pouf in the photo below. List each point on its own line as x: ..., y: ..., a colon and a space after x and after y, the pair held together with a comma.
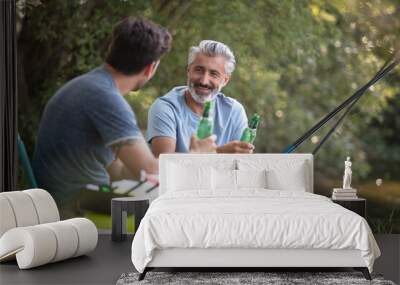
x: 31, y: 232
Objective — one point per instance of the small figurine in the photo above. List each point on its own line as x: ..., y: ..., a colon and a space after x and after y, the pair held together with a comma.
x: 347, y: 174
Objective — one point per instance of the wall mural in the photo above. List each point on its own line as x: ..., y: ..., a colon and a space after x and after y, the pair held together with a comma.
x: 296, y: 62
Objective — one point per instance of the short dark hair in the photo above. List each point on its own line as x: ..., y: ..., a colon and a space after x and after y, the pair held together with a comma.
x: 136, y: 43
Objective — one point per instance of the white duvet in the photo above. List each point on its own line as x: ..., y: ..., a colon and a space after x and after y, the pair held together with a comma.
x: 254, y: 218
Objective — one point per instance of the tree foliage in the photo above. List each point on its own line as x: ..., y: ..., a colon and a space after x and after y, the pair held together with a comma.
x: 296, y: 61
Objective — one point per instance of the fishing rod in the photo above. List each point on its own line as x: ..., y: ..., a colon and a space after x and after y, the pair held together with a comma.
x: 389, y: 65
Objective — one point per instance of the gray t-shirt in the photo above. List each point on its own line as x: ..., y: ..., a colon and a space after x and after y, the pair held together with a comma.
x: 79, y: 125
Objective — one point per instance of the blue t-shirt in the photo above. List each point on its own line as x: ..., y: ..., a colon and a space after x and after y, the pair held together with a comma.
x: 170, y: 116
x: 78, y: 127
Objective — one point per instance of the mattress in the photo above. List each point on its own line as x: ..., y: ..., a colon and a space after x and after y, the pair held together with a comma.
x: 250, y: 219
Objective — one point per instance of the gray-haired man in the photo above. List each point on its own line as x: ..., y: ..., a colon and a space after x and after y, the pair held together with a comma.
x: 174, y: 117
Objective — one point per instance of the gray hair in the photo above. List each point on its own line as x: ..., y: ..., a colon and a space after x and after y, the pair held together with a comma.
x: 214, y: 48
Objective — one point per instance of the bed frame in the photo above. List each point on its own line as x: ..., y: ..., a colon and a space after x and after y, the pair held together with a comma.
x: 246, y: 259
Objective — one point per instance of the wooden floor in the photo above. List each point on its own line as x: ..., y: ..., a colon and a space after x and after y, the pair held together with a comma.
x: 110, y: 260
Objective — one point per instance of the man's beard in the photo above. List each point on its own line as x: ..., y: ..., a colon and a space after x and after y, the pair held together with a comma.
x: 202, y: 99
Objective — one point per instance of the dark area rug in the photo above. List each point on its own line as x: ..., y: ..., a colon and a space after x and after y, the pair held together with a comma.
x: 225, y: 278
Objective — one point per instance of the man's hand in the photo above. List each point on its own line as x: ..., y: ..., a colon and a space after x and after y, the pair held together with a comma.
x: 236, y: 147
x: 206, y: 145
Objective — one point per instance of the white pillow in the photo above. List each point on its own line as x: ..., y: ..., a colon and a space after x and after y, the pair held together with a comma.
x: 293, y: 179
x: 281, y: 174
x: 251, y: 178
x: 183, y: 177
x: 224, y: 179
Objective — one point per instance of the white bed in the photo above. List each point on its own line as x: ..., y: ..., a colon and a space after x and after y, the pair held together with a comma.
x: 247, y: 211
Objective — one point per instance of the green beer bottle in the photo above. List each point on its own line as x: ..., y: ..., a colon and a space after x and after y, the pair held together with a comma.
x: 104, y: 188
x: 249, y: 134
x: 206, y: 125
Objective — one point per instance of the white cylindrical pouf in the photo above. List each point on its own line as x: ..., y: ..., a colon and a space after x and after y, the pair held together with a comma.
x: 45, y: 205
x: 23, y: 208
x: 7, y: 218
x: 67, y: 239
x: 87, y: 234
x: 34, y: 246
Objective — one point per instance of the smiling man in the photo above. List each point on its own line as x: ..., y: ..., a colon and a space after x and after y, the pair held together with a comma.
x: 174, y: 117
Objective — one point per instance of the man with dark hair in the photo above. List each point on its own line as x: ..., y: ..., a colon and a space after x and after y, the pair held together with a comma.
x: 88, y: 133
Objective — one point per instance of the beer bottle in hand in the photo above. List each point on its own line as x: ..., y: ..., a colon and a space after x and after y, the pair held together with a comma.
x: 206, y: 125
x: 249, y: 134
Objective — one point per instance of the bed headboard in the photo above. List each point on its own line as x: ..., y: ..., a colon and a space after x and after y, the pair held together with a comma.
x: 282, y: 162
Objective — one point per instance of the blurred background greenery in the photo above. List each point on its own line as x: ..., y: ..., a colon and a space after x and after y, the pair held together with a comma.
x: 296, y: 61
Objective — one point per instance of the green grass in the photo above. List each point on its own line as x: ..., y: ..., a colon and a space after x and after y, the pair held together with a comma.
x: 383, y: 205
x: 388, y: 192
x: 103, y: 221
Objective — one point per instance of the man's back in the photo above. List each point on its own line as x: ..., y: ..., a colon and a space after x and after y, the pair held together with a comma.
x: 79, y: 124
